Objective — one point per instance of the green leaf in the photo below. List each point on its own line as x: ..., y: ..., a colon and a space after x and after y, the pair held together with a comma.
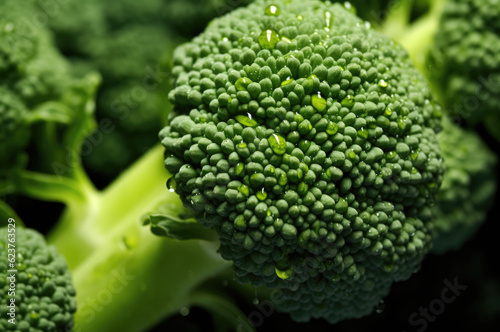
x: 174, y: 228
x: 6, y: 213
x: 48, y: 187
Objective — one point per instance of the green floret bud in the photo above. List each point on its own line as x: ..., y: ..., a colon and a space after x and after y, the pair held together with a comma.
x: 339, y: 115
x: 43, y: 293
x: 468, y: 187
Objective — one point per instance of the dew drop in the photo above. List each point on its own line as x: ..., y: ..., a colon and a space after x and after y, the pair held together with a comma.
x: 350, y: 7
x: 261, y: 195
x: 332, y: 128
x: 277, y: 143
x: 348, y: 101
x: 268, y: 39
x: 242, y: 145
x: 388, y: 111
x: 288, y: 81
x: 246, y: 120
x: 272, y: 10
x: 284, y: 273
x: 388, y: 267
x: 9, y: 27
x: 242, y: 83
x: 239, y: 168
x: 319, y: 103
x: 363, y: 133
x: 255, y: 301
x: 383, y: 84
x: 391, y: 155
x: 300, y: 17
x: 171, y: 185
x: 328, y: 18
x: 283, y: 179
x: 244, y: 190
x: 184, y: 311
x: 380, y: 307
x: 401, y: 124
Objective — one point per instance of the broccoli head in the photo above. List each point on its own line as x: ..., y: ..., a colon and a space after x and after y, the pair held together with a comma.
x: 31, y: 73
x: 307, y: 141
x: 465, y: 59
x: 44, y: 294
x: 467, y: 190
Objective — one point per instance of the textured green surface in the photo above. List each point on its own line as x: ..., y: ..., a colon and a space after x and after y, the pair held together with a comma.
x: 465, y: 60
x: 330, y: 203
x: 468, y: 187
x: 31, y: 72
x: 44, y: 293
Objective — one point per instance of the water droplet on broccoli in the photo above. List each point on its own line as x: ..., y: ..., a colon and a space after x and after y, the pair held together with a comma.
x: 272, y: 10
x: 246, y: 120
x: 268, y: 39
x: 171, y: 185
x: 277, y: 143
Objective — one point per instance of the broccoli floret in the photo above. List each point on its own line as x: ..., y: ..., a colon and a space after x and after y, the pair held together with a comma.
x: 468, y: 187
x: 44, y: 294
x: 456, y: 43
x: 31, y: 73
x: 307, y: 141
x: 14, y: 135
x: 98, y: 35
x: 464, y: 61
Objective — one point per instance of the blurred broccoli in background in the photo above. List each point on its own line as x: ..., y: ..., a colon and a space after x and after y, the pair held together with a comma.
x: 32, y: 76
x: 130, y: 43
x: 456, y: 44
x: 42, y: 289
x: 468, y: 187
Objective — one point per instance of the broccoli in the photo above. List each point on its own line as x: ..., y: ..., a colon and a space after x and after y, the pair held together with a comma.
x: 307, y: 141
x: 97, y: 36
x: 302, y: 154
x: 468, y: 187
x: 456, y: 45
x: 34, y: 80
x: 467, y: 58
x: 43, y: 291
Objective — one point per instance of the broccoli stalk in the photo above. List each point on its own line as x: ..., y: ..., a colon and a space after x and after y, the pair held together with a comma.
x: 118, y: 266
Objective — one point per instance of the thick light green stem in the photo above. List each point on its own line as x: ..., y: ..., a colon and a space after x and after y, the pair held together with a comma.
x: 138, y: 280
x: 127, y: 279
x: 417, y: 38
x: 136, y: 192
